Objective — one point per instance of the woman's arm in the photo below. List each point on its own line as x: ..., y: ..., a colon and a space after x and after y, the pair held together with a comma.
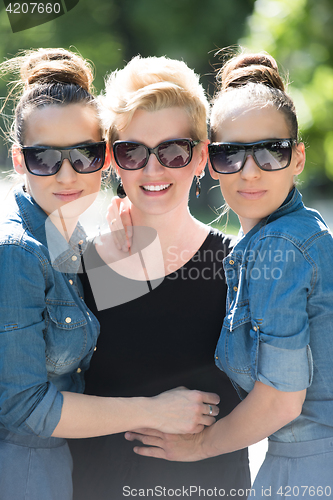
x: 175, y: 411
x: 260, y: 414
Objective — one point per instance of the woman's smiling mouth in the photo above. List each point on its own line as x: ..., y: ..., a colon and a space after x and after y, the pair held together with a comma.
x: 155, y: 188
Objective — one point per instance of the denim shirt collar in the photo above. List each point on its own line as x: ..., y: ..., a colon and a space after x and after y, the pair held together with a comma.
x: 292, y: 203
x: 65, y: 256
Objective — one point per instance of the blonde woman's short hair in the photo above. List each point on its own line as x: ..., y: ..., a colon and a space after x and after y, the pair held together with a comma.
x: 152, y: 84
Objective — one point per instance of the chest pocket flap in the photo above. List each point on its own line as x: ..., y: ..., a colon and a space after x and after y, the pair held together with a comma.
x: 66, y: 315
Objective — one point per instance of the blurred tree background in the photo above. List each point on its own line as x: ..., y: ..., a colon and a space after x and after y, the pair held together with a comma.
x: 297, y: 33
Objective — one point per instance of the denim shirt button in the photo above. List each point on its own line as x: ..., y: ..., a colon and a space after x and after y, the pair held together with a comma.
x: 255, y: 328
x: 235, y: 288
x: 231, y: 262
x: 216, y: 357
x: 78, y: 370
x: 68, y: 319
x: 95, y: 348
x: 74, y: 258
x: 71, y: 282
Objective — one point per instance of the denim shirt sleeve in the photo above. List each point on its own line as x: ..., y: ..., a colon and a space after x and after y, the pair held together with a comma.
x: 29, y: 403
x: 280, y: 277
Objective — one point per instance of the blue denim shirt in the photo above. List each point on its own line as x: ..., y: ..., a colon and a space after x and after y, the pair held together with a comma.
x: 47, y: 333
x: 279, y: 323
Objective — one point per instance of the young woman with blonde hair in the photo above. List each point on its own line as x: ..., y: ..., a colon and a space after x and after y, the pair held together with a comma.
x: 170, y: 309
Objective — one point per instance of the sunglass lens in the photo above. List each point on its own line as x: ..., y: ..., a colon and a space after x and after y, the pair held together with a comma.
x: 42, y: 161
x: 130, y: 156
x: 274, y: 156
x: 175, y: 154
x: 226, y: 159
x: 88, y: 159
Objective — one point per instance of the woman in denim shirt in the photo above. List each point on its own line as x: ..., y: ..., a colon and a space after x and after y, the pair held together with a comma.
x: 276, y: 343
x: 47, y: 333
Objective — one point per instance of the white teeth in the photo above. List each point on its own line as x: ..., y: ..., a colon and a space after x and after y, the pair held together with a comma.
x: 156, y: 188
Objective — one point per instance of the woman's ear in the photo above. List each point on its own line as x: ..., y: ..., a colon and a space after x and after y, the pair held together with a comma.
x: 300, y: 158
x: 18, y: 160
x: 203, y: 145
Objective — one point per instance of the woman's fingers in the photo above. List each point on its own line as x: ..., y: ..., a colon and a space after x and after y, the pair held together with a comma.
x: 177, y: 447
x: 153, y: 452
x: 143, y: 438
x: 183, y: 411
x: 119, y: 219
x: 212, y: 410
x: 148, y: 437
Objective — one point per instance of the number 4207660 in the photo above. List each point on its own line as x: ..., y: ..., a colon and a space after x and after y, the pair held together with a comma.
x: 33, y: 8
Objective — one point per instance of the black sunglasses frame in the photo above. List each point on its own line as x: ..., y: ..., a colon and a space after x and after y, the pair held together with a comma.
x: 246, y: 147
x: 65, y: 155
x: 154, y: 151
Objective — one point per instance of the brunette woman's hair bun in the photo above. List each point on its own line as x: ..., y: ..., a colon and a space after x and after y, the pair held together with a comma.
x: 49, y: 66
x: 251, y: 80
x: 45, y: 77
x: 250, y: 68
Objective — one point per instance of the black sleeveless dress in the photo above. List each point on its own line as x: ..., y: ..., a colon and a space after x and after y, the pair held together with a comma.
x: 160, y: 340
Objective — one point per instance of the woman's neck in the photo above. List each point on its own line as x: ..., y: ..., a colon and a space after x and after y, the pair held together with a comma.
x: 180, y: 235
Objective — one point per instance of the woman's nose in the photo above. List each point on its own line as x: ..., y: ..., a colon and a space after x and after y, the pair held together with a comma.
x: 66, y: 172
x: 153, y: 167
x: 250, y: 169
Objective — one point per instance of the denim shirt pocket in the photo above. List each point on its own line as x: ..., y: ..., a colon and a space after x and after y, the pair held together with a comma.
x: 66, y: 335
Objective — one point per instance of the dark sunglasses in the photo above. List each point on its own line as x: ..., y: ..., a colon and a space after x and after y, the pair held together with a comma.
x: 176, y: 153
x: 47, y: 160
x: 271, y: 154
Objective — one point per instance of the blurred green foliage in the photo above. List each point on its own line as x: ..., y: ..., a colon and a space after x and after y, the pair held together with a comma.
x: 299, y: 34
x: 111, y: 32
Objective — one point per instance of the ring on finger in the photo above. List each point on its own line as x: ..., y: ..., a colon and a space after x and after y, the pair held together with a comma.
x: 113, y: 221
x: 210, y: 409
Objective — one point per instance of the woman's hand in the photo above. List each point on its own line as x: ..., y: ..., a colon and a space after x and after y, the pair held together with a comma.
x: 175, y: 447
x: 260, y: 414
x: 181, y: 411
x: 119, y: 218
